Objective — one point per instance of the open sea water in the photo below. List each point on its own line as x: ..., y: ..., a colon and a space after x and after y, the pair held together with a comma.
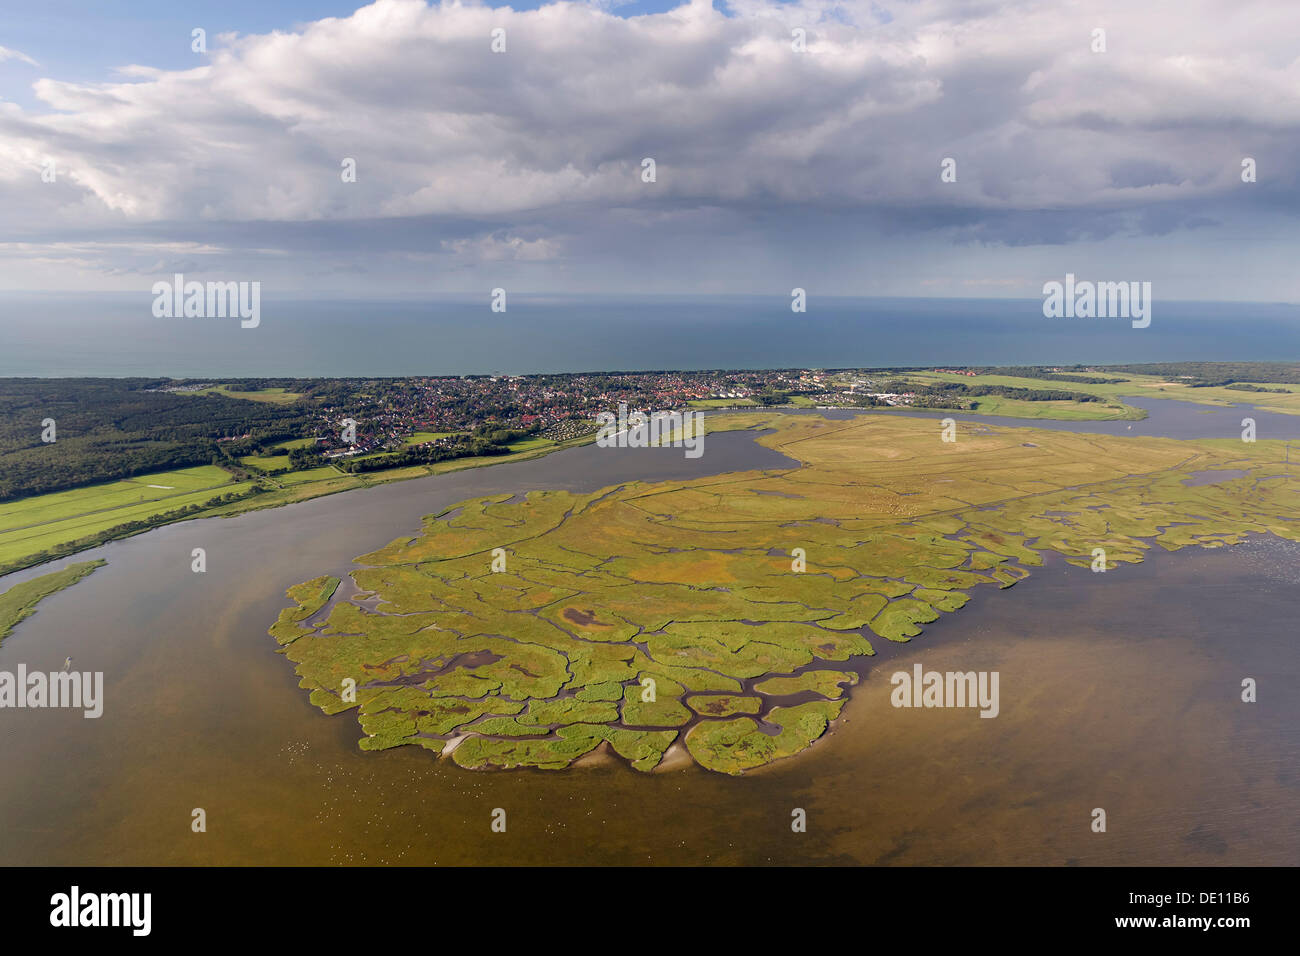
x: 116, y: 334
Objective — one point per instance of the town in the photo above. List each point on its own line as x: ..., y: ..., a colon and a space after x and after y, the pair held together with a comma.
x: 362, y: 425
x: 407, y: 420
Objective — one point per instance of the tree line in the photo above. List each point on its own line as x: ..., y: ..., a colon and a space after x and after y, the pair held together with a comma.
x: 110, y: 429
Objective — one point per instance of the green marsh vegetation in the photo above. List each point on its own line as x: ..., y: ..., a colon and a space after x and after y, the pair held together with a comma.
x: 646, y: 615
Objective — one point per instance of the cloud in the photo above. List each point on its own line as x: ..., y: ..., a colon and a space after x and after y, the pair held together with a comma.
x: 8, y: 54
x: 492, y: 248
x: 1052, y: 142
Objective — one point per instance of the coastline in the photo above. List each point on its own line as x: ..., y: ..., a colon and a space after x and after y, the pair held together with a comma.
x: 274, y: 495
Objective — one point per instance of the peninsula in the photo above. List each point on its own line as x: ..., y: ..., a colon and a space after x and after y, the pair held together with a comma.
x: 729, y: 614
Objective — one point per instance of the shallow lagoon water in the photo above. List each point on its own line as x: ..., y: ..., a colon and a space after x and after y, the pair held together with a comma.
x: 1118, y: 690
x: 1166, y: 418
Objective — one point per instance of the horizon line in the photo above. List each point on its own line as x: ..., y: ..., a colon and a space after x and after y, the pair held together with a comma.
x: 339, y: 296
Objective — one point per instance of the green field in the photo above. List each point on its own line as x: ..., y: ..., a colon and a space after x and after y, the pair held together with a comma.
x: 267, y: 463
x: 63, y: 505
x: 311, y: 474
x: 274, y: 396
x: 722, y: 403
x: 420, y: 437
x: 529, y: 444
x: 29, y: 525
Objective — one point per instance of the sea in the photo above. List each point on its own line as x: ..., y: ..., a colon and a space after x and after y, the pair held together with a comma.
x: 116, y: 334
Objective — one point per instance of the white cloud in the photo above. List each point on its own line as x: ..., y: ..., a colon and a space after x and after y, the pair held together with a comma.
x: 8, y: 54
x: 440, y: 125
x: 551, y: 133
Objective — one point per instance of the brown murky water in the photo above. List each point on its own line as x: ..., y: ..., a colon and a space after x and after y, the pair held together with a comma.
x: 1119, y: 691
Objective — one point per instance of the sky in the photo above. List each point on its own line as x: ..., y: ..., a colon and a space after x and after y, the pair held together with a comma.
x: 778, y: 162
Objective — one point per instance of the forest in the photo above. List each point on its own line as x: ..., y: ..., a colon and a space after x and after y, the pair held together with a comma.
x: 108, y: 429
